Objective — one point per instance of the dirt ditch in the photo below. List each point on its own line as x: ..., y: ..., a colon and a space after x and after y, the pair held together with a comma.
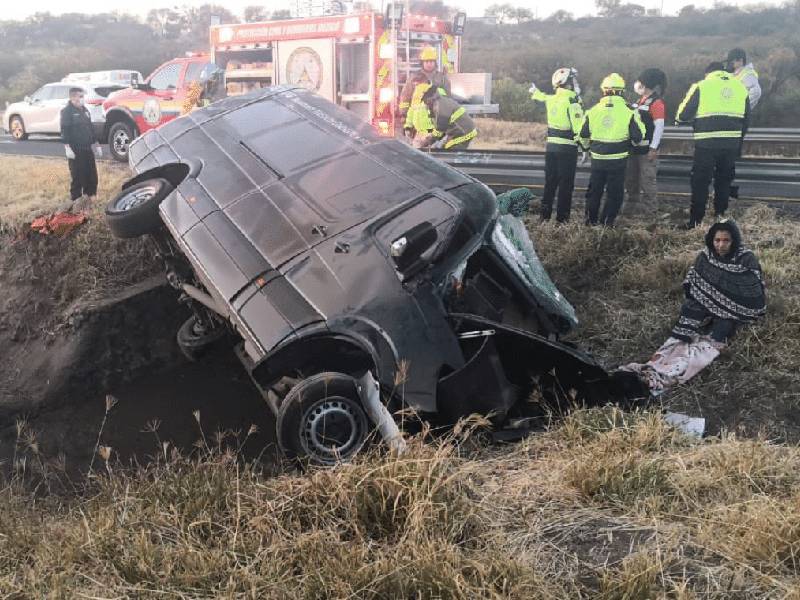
x: 68, y: 340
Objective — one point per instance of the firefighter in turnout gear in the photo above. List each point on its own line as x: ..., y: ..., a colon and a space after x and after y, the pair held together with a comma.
x: 643, y: 162
x: 453, y: 129
x: 564, y: 119
x: 412, y: 109
x: 208, y: 88
x: 611, y: 128
x: 719, y: 110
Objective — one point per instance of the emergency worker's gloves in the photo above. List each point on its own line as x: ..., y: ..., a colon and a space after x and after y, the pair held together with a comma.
x: 532, y: 89
x: 407, y: 132
x: 68, y: 151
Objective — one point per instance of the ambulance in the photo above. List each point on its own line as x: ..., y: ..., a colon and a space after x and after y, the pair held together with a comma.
x: 358, y: 60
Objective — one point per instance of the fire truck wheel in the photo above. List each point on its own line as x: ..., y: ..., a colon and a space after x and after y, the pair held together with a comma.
x: 120, y: 137
x: 134, y: 211
x: 17, y: 128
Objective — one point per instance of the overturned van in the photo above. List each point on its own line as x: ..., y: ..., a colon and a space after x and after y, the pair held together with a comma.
x: 358, y: 275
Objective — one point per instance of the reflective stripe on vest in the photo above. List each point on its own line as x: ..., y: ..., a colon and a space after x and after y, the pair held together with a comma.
x: 461, y: 139
x: 722, y: 106
x: 456, y: 114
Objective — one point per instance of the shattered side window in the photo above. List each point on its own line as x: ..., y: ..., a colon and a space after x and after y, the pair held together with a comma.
x: 512, y: 242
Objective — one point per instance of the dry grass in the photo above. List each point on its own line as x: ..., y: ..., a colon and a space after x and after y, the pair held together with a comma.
x: 607, y: 505
x: 44, y: 276
x: 494, y: 134
x: 34, y: 186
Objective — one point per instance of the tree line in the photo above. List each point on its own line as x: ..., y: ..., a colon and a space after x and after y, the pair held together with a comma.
x: 681, y: 45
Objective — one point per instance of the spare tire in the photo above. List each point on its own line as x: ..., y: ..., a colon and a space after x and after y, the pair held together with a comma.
x: 133, y: 212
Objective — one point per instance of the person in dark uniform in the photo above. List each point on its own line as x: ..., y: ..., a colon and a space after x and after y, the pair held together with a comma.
x: 80, y: 147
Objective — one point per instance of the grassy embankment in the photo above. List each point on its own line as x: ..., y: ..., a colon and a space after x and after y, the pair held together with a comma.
x: 605, y: 505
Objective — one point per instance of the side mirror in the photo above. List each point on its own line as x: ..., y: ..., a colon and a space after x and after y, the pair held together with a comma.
x: 407, y: 250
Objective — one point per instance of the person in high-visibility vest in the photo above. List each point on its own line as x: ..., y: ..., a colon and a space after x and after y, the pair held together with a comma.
x: 564, y: 120
x: 744, y: 71
x: 719, y: 110
x: 412, y: 109
x: 453, y: 129
x: 611, y: 128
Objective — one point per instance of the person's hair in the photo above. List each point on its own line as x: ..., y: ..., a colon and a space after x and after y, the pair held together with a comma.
x: 714, y: 66
x: 73, y: 91
x: 737, y: 54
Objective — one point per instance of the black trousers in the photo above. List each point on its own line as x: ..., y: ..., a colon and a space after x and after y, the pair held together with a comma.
x: 605, y: 179
x: 83, y: 171
x: 559, y: 174
x: 711, y: 163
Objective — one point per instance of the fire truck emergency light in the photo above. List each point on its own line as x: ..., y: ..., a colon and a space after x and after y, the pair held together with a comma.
x: 459, y: 21
x: 385, y: 95
x: 393, y: 16
x: 386, y: 51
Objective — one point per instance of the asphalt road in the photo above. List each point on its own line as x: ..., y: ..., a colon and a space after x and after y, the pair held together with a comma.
x: 772, y: 187
x: 36, y: 145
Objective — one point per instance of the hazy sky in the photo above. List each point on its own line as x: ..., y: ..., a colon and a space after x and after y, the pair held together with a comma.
x: 20, y: 10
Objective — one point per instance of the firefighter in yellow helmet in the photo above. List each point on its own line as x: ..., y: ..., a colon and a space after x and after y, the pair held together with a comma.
x: 611, y: 128
x: 453, y: 129
x: 411, y: 106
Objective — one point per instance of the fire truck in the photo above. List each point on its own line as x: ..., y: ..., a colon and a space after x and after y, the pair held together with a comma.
x: 359, y: 60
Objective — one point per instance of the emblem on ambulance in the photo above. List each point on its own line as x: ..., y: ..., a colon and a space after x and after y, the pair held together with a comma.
x: 304, y: 68
x: 151, y: 112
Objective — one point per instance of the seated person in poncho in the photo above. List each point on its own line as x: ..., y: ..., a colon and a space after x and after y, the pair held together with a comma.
x: 724, y: 289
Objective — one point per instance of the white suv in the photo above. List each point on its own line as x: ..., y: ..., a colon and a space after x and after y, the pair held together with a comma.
x: 41, y: 111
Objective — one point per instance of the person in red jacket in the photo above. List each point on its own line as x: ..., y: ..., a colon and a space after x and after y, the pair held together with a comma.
x: 643, y: 162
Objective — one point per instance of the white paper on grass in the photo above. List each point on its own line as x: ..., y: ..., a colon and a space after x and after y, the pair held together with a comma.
x: 695, y: 426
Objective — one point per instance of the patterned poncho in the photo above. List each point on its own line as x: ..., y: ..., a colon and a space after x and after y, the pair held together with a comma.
x: 729, y: 288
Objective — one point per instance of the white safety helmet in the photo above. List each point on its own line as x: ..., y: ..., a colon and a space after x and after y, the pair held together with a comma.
x: 562, y: 76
